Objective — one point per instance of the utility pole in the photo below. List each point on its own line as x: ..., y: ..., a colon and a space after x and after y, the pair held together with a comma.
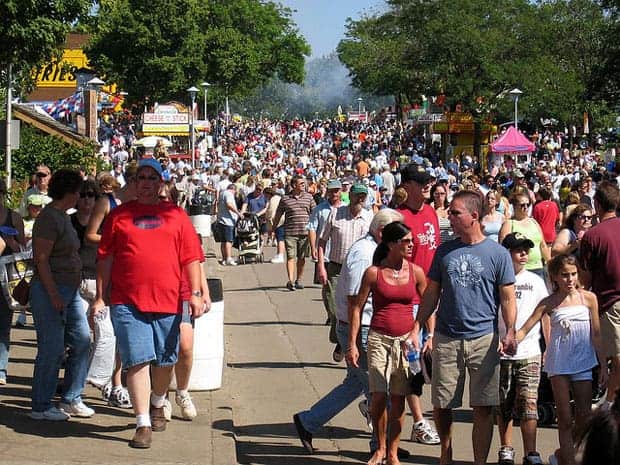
x: 9, y: 98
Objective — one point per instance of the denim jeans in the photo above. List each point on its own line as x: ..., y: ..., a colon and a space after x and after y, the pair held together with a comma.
x: 6, y: 318
x: 55, y: 331
x: 354, y: 384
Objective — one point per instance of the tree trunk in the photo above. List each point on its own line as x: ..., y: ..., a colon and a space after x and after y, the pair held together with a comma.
x: 477, y: 137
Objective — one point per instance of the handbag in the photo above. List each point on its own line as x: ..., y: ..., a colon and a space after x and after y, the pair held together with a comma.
x: 21, y: 292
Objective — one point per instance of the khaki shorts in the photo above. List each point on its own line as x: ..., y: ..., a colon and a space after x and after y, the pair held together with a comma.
x: 610, y: 331
x: 388, y: 369
x: 450, y: 359
x: 297, y: 246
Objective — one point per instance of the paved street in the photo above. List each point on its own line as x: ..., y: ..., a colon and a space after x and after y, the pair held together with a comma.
x: 278, y: 362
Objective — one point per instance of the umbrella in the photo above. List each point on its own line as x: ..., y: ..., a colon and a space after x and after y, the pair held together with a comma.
x: 152, y: 141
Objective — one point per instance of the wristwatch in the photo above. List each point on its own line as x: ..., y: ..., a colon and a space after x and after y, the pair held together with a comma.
x: 197, y: 293
x: 429, y: 335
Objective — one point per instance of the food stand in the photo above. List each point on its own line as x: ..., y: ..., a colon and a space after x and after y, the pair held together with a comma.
x: 511, y: 143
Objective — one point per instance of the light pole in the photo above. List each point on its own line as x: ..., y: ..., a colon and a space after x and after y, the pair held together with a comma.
x: 515, y: 93
x: 205, y: 85
x: 227, y: 107
x: 192, y: 91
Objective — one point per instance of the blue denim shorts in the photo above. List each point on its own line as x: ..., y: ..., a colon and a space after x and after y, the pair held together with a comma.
x: 228, y: 233
x: 280, y: 234
x: 145, y: 337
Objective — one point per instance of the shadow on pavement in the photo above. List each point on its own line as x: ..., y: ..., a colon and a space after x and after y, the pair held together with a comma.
x: 264, y: 323
x: 286, y: 365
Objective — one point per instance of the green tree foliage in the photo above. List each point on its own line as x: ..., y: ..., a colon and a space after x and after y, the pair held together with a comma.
x: 559, y: 52
x: 37, y: 148
x: 158, y: 48
x: 32, y: 32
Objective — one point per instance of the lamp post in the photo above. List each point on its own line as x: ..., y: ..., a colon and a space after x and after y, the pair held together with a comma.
x: 205, y: 85
x: 192, y: 91
x: 227, y: 107
x: 359, y: 105
x: 515, y: 93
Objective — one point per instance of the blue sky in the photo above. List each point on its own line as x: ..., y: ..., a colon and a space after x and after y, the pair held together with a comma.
x: 322, y: 22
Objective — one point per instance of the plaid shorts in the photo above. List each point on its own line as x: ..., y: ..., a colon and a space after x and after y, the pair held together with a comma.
x: 518, y: 388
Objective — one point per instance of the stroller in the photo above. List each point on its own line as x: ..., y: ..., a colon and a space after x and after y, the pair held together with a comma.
x: 546, y: 404
x: 249, y: 243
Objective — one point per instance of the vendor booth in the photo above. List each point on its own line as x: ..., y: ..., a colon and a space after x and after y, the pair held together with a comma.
x: 511, y: 144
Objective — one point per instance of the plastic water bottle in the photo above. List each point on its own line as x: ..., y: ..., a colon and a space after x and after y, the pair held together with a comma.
x: 413, y: 356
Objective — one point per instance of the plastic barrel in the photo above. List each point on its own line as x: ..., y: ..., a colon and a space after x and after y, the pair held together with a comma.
x: 202, y: 224
x: 208, y: 344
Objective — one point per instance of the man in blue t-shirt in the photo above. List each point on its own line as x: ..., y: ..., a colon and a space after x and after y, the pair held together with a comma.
x: 473, y: 276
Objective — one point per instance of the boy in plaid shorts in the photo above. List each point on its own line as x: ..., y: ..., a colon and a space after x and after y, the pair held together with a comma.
x: 520, y: 374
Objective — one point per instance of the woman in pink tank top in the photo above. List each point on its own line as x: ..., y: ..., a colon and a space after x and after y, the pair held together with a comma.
x: 394, y: 283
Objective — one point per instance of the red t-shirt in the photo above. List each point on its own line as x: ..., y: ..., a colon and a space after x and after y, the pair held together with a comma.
x: 424, y: 227
x: 547, y: 214
x: 150, y: 246
x: 600, y: 254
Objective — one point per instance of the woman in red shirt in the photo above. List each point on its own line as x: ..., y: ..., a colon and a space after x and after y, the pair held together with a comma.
x: 395, y: 283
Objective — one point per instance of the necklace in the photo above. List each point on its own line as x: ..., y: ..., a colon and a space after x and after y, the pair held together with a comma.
x: 396, y: 274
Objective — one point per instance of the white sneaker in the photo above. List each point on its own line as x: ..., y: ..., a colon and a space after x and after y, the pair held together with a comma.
x: 277, y: 259
x: 231, y: 262
x: 424, y: 433
x: 77, y: 409
x: 363, y: 406
x: 188, y: 410
x: 167, y: 410
x: 51, y: 414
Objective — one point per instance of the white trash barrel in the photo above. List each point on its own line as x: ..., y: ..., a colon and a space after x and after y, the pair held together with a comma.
x: 208, y: 344
x: 202, y: 224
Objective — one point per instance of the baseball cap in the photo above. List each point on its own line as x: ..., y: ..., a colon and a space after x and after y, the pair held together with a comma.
x: 334, y: 184
x: 415, y: 173
x: 518, y: 174
x: 516, y: 240
x: 151, y: 163
x: 359, y: 189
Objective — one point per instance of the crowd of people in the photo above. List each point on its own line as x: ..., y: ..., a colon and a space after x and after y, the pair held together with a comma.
x: 415, y: 250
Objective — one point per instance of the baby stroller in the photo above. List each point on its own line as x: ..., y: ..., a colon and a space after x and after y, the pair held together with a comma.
x: 546, y: 404
x: 249, y: 241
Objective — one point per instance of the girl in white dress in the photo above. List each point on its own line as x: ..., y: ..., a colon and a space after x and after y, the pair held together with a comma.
x: 572, y: 352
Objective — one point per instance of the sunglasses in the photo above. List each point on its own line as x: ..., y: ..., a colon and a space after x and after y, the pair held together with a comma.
x: 523, y: 205
x: 148, y: 178
x: 586, y: 217
x: 90, y: 195
x: 405, y: 241
x: 42, y: 175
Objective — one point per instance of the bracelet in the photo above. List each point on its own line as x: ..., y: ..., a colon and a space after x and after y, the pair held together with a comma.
x: 429, y: 335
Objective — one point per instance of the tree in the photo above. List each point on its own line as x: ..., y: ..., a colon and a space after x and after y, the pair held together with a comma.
x: 475, y: 51
x: 158, y: 48
x: 32, y: 33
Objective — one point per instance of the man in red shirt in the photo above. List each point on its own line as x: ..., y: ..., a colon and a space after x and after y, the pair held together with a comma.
x: 145, y: 248
x: 547, y: 214
x: 600, y: 258
x: 421, y: 218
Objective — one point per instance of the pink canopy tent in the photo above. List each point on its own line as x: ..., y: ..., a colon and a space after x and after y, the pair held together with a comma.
x: 512, y: 141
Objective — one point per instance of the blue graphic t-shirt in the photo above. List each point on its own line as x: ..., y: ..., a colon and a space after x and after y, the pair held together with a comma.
x: 470, y: 277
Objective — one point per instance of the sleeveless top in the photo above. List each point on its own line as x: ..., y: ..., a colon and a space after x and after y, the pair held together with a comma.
x: 393, y: 305
x: 8, y: 222
x: 491, y: 229
x: 570, y: 348
x: 533, y: 233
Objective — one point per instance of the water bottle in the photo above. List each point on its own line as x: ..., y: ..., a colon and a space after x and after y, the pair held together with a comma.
x: 413, y: 356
